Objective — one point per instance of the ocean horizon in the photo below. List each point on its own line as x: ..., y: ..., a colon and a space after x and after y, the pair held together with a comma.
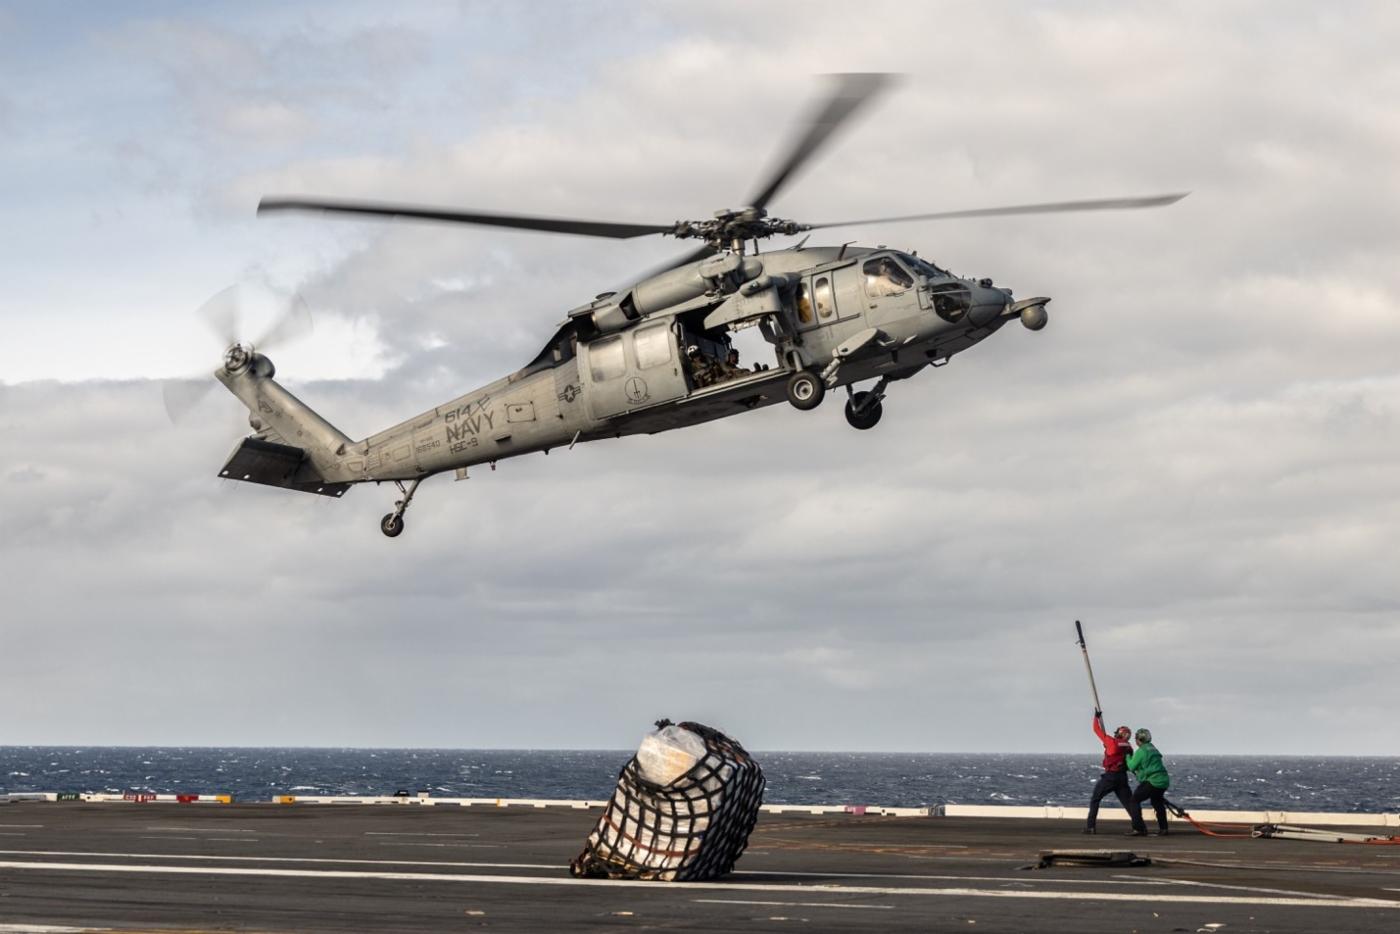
x: 253, y: 773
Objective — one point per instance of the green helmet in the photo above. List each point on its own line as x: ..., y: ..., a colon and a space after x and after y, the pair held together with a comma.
x: 1143, y: 735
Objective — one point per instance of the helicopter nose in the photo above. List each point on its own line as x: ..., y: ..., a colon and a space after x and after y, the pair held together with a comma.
x: 988, y: 302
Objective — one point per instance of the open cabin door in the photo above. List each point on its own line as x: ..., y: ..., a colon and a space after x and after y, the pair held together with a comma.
x: 632, y: 370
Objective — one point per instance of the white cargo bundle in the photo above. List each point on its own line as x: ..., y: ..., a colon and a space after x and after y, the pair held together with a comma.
x: 682, y: 811
x: 668, y: 753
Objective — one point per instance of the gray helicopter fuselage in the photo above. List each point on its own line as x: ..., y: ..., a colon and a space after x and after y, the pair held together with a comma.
x: 658, y: 354
x: 633, y: 361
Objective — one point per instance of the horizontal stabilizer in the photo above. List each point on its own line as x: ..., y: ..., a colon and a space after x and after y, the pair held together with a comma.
x: 273, y: 464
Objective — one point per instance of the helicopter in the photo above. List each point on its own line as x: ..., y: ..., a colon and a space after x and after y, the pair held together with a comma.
x: 657, y: 354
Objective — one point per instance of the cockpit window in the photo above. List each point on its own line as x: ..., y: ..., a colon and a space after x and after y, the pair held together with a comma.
x: 883, y: 276
x: 825, y: 303
x: 924, y: 268
x: 951, y: 300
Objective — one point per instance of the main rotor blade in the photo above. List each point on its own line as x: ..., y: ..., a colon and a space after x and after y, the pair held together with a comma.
x: 1058, y: 207
x: 852, y: 91
x: 618, y: 231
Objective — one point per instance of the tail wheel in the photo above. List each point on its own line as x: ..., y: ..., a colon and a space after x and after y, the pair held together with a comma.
x: 805, y: 390
x: 862, y: 412
x: 391, y: 525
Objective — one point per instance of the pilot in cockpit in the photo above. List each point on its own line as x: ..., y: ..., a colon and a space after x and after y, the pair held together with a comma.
x: 885, y: 277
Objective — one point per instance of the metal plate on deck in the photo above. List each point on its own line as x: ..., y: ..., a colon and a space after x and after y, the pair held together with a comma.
x: 1100, y: 858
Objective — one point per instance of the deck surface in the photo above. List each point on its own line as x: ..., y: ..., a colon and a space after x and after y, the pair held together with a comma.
x: 278, y: 868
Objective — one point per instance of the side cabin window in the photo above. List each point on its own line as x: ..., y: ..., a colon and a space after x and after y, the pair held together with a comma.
x: 885, y: 277
x: 826, y: 305
x: 606, y: 360
x: 652, y: 345
x: 804, y: 304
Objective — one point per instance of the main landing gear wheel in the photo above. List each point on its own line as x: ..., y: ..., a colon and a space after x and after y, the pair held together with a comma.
x: 863, y: 412
x: 392, y: 523
x: 805, y: 390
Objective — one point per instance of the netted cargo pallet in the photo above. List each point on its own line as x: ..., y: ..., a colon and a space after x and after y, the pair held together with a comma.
x: 691, y: 828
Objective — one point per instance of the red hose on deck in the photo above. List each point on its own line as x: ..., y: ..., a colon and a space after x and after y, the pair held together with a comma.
x: 1251, y: 831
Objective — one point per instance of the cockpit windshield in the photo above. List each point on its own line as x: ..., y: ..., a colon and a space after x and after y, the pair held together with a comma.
x: 924, y: 268
x: 883, y: 276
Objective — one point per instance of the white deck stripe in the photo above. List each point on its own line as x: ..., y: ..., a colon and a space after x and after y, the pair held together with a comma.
x: 283, y: 859
x: 459, y: 846
x: 1052, y: 812
x: 1019, y: 878
x: 1376, y: 903
x: 1244, y: 888
x: 741, y: 901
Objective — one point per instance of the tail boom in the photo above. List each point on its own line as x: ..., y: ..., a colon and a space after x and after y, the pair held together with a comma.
x: 294, y: 447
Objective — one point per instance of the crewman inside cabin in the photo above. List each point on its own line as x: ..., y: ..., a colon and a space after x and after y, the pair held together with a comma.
x: 732, y: 369
x: 702, y: 369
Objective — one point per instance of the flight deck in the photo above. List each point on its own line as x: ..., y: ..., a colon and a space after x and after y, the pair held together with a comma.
x: 77, y: 866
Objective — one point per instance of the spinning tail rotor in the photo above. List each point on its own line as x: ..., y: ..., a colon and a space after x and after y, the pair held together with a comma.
x: 224, y: 316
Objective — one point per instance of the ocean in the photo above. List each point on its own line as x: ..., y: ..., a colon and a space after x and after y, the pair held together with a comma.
x: 1299, y: 783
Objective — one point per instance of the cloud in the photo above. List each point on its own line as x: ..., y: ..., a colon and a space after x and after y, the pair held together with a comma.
x: 245, y: 86
x: 269, y: 119
x: 821, y: 585
x: 1195, y: 458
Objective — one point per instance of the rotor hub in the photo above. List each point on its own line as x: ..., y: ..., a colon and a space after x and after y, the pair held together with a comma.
x: 237, y: 357
x: 735, y: 225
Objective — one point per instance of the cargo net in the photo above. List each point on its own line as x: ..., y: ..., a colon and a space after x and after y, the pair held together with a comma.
x: 682, y: 812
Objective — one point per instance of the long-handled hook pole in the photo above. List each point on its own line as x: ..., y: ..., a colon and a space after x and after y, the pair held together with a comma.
x: 1088, y: 667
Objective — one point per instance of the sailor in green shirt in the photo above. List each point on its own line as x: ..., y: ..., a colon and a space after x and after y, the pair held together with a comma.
x: 1146, y: 764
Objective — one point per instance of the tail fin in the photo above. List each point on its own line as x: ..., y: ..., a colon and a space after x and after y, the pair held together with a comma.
x: 293, y: 448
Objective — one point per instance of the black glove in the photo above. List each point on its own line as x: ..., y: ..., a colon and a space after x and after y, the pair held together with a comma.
x: 1098, y: 714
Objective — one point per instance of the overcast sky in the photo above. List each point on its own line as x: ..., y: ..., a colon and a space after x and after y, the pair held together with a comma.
x: 1197, y: 457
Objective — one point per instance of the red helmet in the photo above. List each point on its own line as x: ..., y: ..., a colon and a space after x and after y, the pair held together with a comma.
x: 1122, y: 732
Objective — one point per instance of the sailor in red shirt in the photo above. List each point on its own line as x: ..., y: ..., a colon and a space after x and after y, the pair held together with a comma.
x: 1114, y: 779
